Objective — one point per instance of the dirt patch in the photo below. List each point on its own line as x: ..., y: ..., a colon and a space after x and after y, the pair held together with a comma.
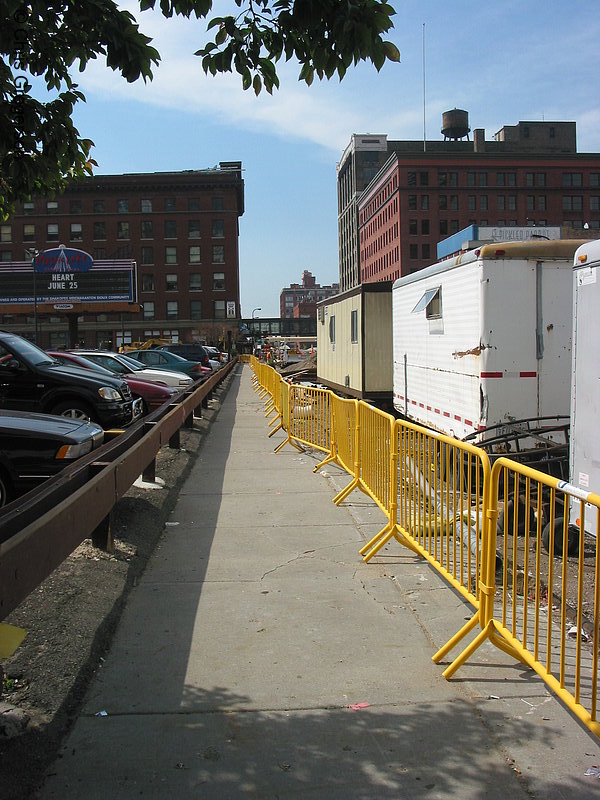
x: 71, y: 617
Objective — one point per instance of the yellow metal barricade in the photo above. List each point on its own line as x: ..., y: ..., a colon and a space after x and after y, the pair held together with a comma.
x: 545, y: 572
x: 310, y: 416
x: 343, y: 440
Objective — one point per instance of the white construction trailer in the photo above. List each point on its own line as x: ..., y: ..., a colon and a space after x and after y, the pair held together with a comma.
x: 585, y: 384
x: 484, y: 338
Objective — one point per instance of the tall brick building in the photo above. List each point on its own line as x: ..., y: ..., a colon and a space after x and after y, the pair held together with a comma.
x: 300, y: 300
x: 398, y: 199
x: 182, y: 230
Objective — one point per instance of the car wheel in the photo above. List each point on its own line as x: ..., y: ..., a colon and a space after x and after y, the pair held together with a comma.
x: 5, y: 490
x: 74, y: 409
x: 572, y: 538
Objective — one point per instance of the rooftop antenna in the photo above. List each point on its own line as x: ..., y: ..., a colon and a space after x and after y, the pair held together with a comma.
x: 424, y: 131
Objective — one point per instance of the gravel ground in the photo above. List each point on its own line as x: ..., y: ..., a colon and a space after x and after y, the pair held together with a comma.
x: 71, y: 617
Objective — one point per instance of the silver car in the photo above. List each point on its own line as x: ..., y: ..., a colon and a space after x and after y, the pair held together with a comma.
x: 122, y: 364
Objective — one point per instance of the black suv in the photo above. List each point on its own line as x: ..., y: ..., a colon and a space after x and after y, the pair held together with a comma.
x: 31, y: 380
x: 193, y: 352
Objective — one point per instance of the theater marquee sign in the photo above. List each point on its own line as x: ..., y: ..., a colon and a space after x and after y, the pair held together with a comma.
x: 66, y: 278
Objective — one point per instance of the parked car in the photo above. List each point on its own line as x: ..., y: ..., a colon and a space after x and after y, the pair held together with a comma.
x: 214, y: 356
x: 31, y: 380
x: 189, y: 350
x: 122, y: 365
x: 157, y: 358
x: 151, y: 394
x: 34, y: 447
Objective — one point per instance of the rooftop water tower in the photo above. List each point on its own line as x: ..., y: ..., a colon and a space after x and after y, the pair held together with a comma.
x: 455, y: 124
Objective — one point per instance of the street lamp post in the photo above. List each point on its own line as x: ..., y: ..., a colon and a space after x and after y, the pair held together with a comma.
x: 253, y: 330
x: 33, y: 254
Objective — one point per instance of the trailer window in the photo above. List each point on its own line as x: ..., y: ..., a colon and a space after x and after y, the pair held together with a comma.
x: 431, y: 303
x: 332, y: 329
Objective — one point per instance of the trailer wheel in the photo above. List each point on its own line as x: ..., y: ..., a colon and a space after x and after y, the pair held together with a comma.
x: 572, y: 538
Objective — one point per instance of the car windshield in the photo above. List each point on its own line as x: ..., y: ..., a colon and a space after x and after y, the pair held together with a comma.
x: 29, y: 351
x: 131, y: 362
x: 176, y: 356
x: 84, y: 363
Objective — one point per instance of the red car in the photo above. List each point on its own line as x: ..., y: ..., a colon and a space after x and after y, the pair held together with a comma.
x: 152, y: 394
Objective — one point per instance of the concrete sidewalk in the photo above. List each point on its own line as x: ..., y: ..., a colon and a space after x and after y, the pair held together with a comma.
x: 260, y: 657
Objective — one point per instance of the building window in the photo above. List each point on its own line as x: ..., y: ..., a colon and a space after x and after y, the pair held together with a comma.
x: 454, y: 202
x: 75, y: 206
x: 218, y: 281
x: 424, y: 178
x: 5, y: 233
x: 170, y: 229
x: 512, y: 202
x: 541, y: 179
x: 196, y: 309
x: 193, y: 204
x: 594, y: 203
x: 122, y: 230
x: 412, y: 227
x: 195, y: 281
x: 414, y: 250
x: 425, y: 227
x: 530, y: 202
x: 529, y: 178
x: 28, y: 207
x: 147, y: 282
x: 542, y: 202
x: 51, y: 206
x: 594, y: 179
x: 354, y: 326
x: 146, y: 206
x: 442, y: 178
x: 171, y: 282
x: 147, y: 255
x: 29, y: 233
x: 52, y: 232
x: 443, y: 202
x: 147, y: 229
x: 412, y: 178
x: 99, y: 252
x: 572, y: 179
x: 193, y: 229
x: 572, y: 203
x: 501, y: 203
x: 426, y: 251
x: 424, y: 202
x: 172, y: 309
x: 194, y: 254
x: 217, y: 204
x: 76, y: 232
x: 218, y: 228
x: 149, y: 310
x: 483, y: 178
x: 99, y: 230
x: 98, y: 206
x: 412, y: 202
x: 470, y: 179
x: 219, y: 309
x: 443, y: 226
x: 169, y: 204
x: 5, y: 255
x: 170, y: 255
x: 218, y: 254
x: 483, y: 202
x: 453, y: 226
x: 472, y: 202
x: 122, y: 206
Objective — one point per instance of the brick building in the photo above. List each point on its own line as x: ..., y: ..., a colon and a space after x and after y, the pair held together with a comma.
x: 182, y: 230
x: 397, y: 200
x: 300, y: 300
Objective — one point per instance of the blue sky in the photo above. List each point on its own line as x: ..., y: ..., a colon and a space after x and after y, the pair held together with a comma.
x: 502, y: 62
